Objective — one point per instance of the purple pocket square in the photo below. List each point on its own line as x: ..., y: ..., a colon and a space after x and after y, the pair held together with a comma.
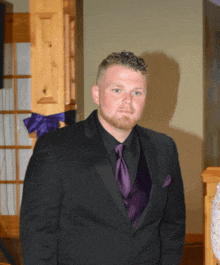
x: 167, y: 181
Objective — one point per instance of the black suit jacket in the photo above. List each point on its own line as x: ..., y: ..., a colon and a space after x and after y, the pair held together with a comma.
x: 72, y: 211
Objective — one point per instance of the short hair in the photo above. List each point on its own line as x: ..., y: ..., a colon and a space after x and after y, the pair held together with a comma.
x: 127, y: 59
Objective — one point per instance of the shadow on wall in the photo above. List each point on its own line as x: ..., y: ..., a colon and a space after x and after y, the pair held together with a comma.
x: 162, y: 92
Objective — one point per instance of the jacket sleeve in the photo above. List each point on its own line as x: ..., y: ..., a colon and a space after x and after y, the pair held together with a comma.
x: 40, y: 207
x: 172, y: 226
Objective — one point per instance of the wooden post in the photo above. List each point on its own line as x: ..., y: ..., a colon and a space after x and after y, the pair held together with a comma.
x: 53, y: 55
x: 211, y: 178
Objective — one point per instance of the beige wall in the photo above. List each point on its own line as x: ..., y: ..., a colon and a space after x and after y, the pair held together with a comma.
x: 169, y: 36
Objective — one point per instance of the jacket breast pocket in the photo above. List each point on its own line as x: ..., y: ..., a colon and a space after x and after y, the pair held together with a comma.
x: 157, y: 200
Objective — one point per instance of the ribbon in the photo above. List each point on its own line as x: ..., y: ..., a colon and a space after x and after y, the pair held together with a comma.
x: 43, y: 124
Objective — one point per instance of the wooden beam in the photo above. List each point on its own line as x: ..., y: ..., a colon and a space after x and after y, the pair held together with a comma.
x: 17, y: 26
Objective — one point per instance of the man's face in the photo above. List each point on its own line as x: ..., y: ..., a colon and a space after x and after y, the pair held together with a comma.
x: 121, y: 97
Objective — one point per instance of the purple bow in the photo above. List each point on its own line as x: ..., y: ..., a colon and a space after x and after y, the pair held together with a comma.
x: 43, y: 124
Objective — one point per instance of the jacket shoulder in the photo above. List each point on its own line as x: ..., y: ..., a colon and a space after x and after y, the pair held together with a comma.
x: 60, y: 137
x: 154, y: 135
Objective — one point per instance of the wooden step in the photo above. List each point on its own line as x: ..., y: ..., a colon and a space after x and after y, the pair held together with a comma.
x: 192, y: 254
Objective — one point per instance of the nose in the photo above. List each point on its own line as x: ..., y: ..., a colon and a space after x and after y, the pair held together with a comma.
x: 127, y: 98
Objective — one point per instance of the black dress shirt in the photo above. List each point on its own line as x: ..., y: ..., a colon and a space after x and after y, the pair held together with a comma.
x: 131, y: 150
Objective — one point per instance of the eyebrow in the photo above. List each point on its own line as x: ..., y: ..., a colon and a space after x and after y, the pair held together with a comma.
x: 119, y: 85
x: 115, y: 84
x: 142, y: 88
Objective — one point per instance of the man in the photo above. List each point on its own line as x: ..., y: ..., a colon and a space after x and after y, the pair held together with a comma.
x: 105, y: 191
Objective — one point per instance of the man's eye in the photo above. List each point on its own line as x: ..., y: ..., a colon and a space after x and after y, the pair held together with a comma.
x: 137, y: 93
x: 116, y: 90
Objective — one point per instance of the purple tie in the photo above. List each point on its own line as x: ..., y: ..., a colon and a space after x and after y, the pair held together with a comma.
x: 135, y: 198
x: 122, y: 174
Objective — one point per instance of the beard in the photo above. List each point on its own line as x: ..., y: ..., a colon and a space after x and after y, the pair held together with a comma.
x: 124, y: 123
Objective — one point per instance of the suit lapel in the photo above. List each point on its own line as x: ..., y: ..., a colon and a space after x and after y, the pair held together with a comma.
x: 157, y: 164
x: 103, y: 166
x: 153, y: 165
x: 105, y: 172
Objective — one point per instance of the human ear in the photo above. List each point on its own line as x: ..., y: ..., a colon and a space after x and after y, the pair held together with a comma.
x: 95, y: 94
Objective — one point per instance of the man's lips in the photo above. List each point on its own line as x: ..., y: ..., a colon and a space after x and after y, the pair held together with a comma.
x: 126, y: 111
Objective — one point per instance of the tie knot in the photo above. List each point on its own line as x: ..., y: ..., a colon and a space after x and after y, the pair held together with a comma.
x: 119, y: 149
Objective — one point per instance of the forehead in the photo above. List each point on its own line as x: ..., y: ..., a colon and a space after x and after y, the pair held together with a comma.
x: 123, y: 73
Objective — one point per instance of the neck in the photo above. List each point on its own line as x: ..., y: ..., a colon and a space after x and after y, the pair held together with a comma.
x: 119, y: 134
